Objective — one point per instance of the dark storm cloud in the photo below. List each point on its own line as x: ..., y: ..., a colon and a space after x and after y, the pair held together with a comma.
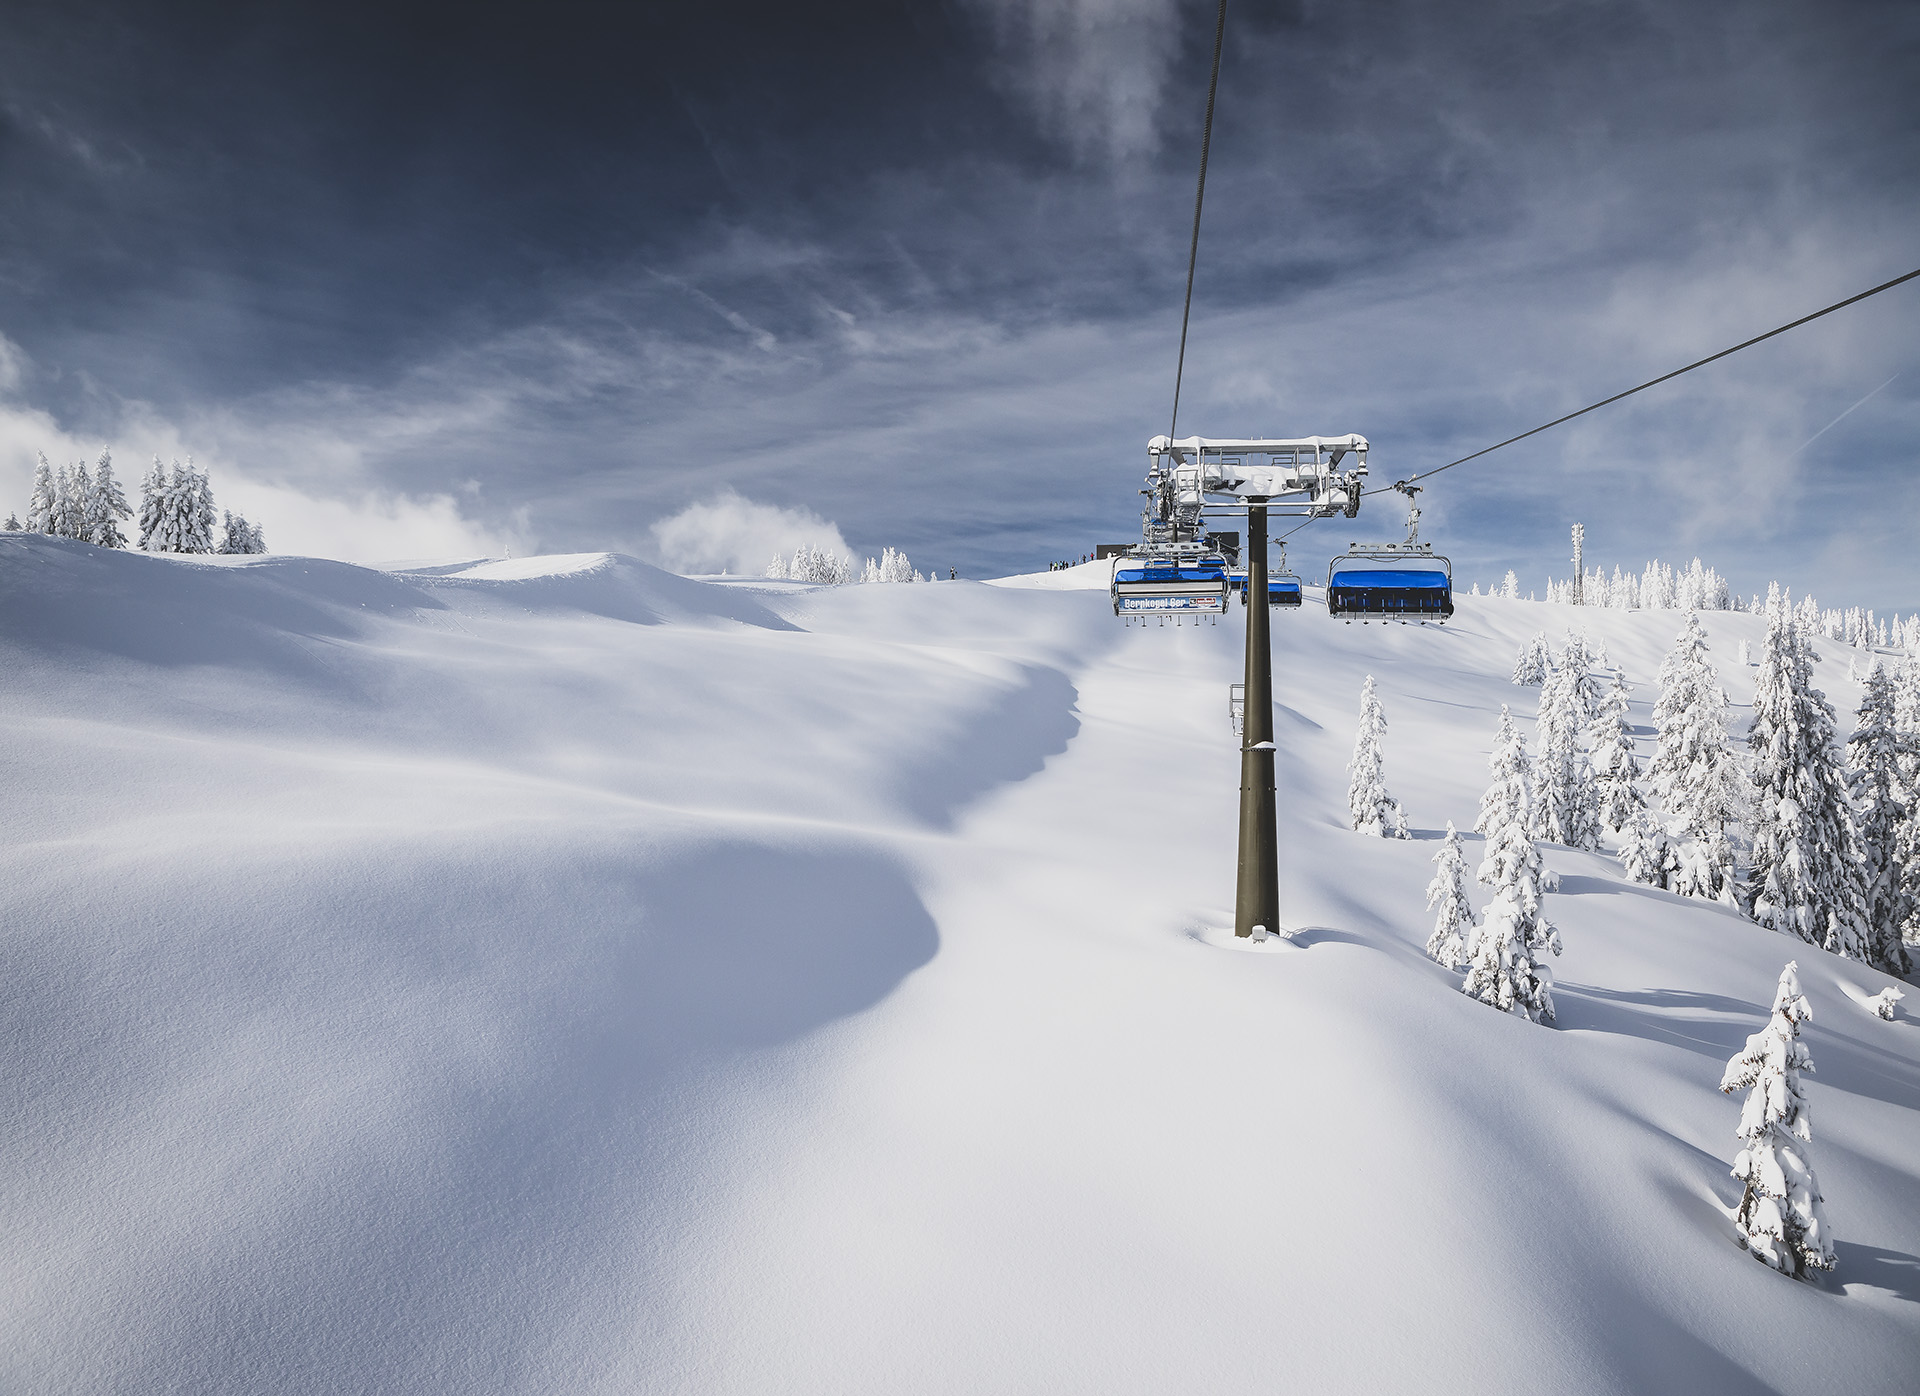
x: 918, y: 266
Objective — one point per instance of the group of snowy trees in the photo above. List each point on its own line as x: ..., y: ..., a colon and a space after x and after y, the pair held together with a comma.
x: 76, y: 502
x: 1832, y: 855
x: 176, y: 509
x: 1501, y: 950
x: 1697, y: 587
x: 1657, y: 587
x: 811, y: 564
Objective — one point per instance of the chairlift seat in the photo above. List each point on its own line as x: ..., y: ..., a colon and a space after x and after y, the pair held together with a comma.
x: 1390, y: 587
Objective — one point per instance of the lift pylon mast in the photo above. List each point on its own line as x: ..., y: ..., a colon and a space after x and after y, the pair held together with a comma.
x: 1256, y: 901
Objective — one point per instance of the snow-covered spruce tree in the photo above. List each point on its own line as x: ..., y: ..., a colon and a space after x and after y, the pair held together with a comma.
x: 1583, y: 689
x: 1510, y: 586
x: 197, y: 512
x: 13, y: 524
x: 44, y: 503
x: 1616, y: 764
x: 1882, y: 808
x: 1374, y: 810
x: 1535, y: 661
x: 1503, y: 951
x: 1646, y: 853
x: 1566, y: 799
x: 1694, y: 770
x: 153, y: 494
x: 106, y: 506
x: 1906, y: 708
x: 239, y: 536
x: 175, y: 501
x: 1447, y: 899
x: 777, y: 568
x: 75, y: 503
x: 1808, y: 874
x: 1781, y: 1217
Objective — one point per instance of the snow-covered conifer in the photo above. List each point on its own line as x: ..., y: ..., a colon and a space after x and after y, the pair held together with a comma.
x: 106, y: 506
x: 1566, y: 799
x: 1535, y: 661
x: 63, y: 511
x: 153, y: 507
x: 777, y: 568
x: 1781, y: 1218
x: 1503, y: 951
x: 1447, y: 899
x: 1694, y: 770
x: 1510, y: 586
x: 44, y: 503
x: 1808, y: 874
x: 1616, y: 764
x: 1646, y: 853
x: 75, y: 501
x: 198, y: 519
x: 1374, y: 810
x: 13, y: 524
x: 240, y: 536
x: 1882, y: 807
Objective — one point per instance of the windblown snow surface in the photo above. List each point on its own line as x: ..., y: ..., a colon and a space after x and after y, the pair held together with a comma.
x: 560, y: 976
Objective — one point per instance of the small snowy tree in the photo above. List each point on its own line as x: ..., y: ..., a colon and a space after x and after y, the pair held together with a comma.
x: 13, y: 524
x: 239, y: 536
x: 1781, y: 1217
x: 1808, y: 875
x: 1535, y: 661
x: 1503, y: 952
x: 1374, y: 810
x: 777, y: 568
x: 1510, y: 586
x: 1447, y: 899
x: 1694, y: 769
x: 1646, y: 853
x: 1566, y: 806
x: 44, y: 502
x: 1616, y: 764
x: 106, y: 506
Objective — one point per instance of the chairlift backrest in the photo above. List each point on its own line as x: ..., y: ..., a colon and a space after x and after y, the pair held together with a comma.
x: 1391, y: 581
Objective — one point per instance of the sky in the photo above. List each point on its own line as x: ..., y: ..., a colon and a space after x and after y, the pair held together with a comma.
x: 694, y: 282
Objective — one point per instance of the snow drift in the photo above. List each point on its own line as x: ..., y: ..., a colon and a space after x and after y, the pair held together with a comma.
x: 559, y: 975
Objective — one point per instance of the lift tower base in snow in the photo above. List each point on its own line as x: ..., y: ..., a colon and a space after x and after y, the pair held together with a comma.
x: 1257, y: 898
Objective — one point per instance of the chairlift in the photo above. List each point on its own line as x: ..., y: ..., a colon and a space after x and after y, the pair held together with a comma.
x: 1392, y: 581
x: 1283, y: 586
x: 1169, y: 581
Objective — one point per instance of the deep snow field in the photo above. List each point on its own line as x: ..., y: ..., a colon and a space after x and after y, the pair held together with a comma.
x: 559, y: 976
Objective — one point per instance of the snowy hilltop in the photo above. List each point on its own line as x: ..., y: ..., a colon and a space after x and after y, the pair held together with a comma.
x: 555, y: 974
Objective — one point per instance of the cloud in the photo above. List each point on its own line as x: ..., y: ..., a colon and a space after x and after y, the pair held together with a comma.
x: 1092, y: 70
x: 731, y: 533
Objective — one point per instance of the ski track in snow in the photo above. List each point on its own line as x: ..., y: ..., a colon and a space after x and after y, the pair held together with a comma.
x: 557, y: 975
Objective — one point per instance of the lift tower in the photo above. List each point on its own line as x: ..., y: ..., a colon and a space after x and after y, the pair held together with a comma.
x: 1188, y: 479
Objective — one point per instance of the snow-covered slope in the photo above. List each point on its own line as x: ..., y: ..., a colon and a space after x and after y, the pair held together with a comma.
x: 557, y: 975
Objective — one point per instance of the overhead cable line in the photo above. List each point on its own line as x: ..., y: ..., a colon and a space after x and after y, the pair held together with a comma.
x: 1199, y: 195
x: 1654, y: 382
